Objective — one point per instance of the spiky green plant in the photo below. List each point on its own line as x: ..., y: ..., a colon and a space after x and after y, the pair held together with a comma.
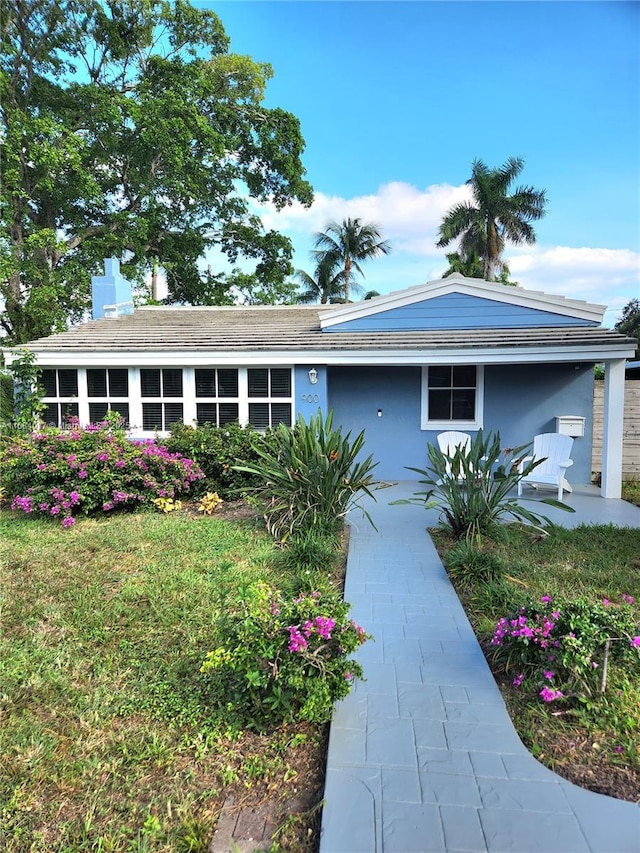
x: 473, y: 487
x: 311, y: 476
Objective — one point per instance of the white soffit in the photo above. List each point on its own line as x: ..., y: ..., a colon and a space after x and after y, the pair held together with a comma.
x: 289, y: 358
x: 535, y: 299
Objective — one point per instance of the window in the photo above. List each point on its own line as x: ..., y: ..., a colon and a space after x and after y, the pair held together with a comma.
x: 161, y: 383
x: 108, y: 390
x: 160, y: 416
x: 269, y: 392
x: 216, y: 386
x: 452, y: 395
x: 60, y: 387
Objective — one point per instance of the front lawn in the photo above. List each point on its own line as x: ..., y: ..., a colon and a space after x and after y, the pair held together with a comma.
x: 588, y: 737
x: 108, y: 737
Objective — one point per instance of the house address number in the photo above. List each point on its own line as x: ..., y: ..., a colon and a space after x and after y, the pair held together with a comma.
x: 310, y: 398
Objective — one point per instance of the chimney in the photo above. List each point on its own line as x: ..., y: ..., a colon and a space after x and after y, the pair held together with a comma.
x: 111, y: 294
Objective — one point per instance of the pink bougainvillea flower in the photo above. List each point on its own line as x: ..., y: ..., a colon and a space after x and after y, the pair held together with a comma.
x: 550, y: 695
x: 297, y: 642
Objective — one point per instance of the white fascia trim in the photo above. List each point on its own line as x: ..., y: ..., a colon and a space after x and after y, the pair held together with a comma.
x: 536, y: 299
x: 288, y: 358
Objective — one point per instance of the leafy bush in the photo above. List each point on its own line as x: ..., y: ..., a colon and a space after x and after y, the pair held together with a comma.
x: 472, y: 487
x: 217, y: 450
x: 20, y: 393
x: 467, y: 564
x: 65, y: 473
x: 310, y: 476
x: 283, y: 658
x: 564, y: 647
x: 309, y: 549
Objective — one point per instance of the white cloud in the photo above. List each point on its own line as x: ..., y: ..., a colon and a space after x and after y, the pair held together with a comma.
x: 409, y: 218
x: 605, y: 276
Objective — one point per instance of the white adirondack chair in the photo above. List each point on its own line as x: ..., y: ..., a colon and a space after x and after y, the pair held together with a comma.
x: 448, y: 442
x: 555, y: 449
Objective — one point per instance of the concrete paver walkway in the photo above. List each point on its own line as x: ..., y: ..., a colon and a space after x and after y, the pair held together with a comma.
x: 423, y: 755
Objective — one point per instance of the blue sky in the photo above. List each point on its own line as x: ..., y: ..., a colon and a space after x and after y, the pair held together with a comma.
x: 396, y: 99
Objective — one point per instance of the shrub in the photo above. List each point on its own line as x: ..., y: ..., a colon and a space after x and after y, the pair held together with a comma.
x: 472, y: 487
x: 20, y: 394
x: 217, y: 451
x: 65, y: 473
x: 564, y: 647
x: 310, y: 476
x: 309, y: 550
x: 466, y: 564
x: 283, y: 658
x: 209, y: 503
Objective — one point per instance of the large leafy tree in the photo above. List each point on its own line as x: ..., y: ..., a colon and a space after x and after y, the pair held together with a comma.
x: 629, y: 322
x: 349, y: 243
x: 128, y: 129
x: 493, y: 216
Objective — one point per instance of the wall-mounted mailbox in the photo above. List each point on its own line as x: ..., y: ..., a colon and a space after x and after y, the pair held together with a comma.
x: 570, y: 425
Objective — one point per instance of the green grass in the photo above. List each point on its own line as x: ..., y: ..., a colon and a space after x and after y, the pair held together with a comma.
x: 594, y: 562
x: 107, y: 742
x: 631, y: 491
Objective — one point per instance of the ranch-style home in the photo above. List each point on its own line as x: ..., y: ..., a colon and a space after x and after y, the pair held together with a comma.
x: 452, y: 354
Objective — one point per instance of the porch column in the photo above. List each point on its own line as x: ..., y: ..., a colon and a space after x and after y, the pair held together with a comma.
x: 613, y: 428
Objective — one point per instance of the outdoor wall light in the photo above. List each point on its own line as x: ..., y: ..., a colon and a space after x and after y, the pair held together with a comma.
x: 379, y: 413
x: 313, y: 376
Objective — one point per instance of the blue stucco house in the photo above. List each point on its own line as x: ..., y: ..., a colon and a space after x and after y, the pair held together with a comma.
x: 456, y: 353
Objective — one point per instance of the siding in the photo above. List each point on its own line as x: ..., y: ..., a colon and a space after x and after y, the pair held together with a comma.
x: 631, y: 433
x: 457, y: 311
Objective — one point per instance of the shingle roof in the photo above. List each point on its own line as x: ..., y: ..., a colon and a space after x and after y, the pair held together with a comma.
x: 292, y: 328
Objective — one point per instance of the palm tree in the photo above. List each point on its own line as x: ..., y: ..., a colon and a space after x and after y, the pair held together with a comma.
x: 493, y: 217
x: 350, y: 242
x: 326, y: 284
x: 472, y: 266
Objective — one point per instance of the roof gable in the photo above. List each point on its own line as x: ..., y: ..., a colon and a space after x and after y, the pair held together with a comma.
x: 457, y: 302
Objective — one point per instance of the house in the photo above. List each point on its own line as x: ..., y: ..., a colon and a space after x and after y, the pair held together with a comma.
x: 456, y: 353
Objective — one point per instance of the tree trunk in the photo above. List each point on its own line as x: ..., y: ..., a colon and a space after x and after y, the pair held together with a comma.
x: 347, y: 277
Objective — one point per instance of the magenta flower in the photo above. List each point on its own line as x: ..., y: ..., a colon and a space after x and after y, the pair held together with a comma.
x: 545, y: 599
x: 627, y: 598
x: 517, y: 681
x: 606, y: 602
x: 635, y: 642
x: 324, y: 626
x: 69, y: 521
x: 550, y: 695
x: 297, y: 642
x: 548, y: 674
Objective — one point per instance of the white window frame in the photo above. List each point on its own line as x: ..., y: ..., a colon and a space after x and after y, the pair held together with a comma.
x: 60, y: 400
x: 109, y: 400
x: 162, y: 399
x: 189, y: 400
x: 269, y: 400
x: 475, y: 424
x: 217, y: 400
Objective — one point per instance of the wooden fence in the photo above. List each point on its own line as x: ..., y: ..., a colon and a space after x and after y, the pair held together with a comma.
x: 631, y: 429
